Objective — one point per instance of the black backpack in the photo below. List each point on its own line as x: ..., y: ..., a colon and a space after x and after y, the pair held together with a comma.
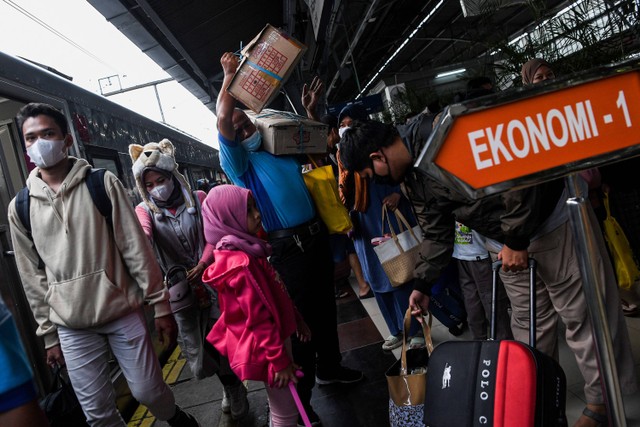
x: 95, y: 183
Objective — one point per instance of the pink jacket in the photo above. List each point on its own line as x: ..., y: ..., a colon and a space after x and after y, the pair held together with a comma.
x: 257, y: 315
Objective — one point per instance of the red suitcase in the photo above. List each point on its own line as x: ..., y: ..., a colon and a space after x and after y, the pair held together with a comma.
x: 495, y: 383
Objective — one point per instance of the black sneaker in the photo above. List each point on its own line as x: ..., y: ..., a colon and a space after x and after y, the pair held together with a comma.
x: 340, y: 375
x: 182, y: 419
x: 314, y: 419
x: 238, y: 402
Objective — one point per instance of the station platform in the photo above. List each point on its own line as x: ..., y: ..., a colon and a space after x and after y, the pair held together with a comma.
x: 362, y: 331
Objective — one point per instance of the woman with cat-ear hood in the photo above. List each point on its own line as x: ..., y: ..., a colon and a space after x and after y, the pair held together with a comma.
x: 171, y: 217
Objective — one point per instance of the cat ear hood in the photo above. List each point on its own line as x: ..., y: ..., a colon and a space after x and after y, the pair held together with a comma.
x: 158, y: 156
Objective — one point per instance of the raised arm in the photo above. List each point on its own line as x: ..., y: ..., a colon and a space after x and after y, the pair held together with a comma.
x: 226, y: 103
x: 310, y: 96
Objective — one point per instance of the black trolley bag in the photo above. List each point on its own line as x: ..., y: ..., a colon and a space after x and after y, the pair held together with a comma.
x: 495, y: 383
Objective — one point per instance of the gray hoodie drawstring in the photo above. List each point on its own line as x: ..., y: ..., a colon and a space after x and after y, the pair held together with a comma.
x: 46, y: 191
x: 65, y: 217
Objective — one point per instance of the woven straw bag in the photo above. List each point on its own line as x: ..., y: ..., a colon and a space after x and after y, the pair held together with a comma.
x: 399, y: 254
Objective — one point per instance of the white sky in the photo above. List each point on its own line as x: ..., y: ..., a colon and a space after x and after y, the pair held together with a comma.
x: 95, y: 49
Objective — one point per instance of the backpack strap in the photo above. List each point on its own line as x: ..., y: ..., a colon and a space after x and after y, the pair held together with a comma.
x: 22, y: 209
x: 95, y: 184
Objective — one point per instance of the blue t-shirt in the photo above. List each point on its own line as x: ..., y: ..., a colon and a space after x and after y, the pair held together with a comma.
x: 275, y: 181
x: 16, y: 381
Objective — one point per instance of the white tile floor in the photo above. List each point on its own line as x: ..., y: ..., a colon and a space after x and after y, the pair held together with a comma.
x: 575, y: 395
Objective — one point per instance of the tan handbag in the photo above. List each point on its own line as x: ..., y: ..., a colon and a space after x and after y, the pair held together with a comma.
x: 407, y: 379
x: 399, y: 254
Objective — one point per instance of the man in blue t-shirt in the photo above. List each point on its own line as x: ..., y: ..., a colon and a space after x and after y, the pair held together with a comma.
x: 301, y: 252
x: 18, y: 397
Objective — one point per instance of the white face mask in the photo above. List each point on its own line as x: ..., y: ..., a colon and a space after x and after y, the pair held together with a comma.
x: 342, y: 130
x: 162, y: 192
x: 46, y: 153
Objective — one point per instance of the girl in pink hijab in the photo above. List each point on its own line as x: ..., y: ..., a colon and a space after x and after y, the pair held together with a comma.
x: 258, y: 317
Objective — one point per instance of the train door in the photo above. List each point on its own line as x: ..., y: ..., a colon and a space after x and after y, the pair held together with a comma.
x: 12, y: 177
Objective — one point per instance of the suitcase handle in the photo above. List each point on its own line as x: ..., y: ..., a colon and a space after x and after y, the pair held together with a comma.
x: 495, y: 267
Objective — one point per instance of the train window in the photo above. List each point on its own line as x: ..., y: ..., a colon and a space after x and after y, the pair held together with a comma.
x: 105, y: 158
x: 108, y: 164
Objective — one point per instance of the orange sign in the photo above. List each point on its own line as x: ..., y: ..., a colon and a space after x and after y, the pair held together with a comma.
x: 517, y: 139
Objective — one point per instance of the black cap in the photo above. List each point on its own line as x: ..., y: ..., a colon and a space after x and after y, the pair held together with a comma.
x: 355, y: 111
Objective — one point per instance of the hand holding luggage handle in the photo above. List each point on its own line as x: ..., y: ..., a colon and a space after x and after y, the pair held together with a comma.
x: 532, y: 300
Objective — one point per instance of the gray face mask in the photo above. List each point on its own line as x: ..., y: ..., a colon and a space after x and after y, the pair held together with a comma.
x: 45, y: 153
x: 162, y: 192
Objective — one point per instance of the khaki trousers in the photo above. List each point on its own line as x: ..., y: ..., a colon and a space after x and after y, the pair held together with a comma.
x: 559, y: 296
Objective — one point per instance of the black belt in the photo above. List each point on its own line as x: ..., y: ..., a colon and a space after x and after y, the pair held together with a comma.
x: 309, y: 228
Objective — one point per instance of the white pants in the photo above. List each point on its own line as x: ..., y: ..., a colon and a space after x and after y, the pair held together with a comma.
x: 86, y: 352
x: 284, y: 412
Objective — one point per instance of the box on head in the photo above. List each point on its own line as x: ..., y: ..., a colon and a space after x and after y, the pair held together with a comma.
x: 267, y: 62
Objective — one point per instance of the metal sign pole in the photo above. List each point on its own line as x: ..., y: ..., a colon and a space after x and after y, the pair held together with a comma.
x: 588, y: 254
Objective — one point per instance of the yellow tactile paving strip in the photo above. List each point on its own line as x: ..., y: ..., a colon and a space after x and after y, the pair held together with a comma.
x: 170, y: 372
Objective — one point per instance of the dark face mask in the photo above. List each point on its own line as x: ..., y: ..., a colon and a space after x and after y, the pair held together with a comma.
x: 384, y: 180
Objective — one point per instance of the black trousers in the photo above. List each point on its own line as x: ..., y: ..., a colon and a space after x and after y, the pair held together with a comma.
x: 305, y: 266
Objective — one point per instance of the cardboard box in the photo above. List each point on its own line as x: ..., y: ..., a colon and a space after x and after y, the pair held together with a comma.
x: 268, y: 61
x: 287, y: 133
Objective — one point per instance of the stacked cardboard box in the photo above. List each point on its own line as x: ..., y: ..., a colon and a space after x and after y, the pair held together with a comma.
x: 287, y: 133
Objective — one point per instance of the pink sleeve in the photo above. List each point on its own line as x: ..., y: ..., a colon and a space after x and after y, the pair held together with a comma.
x: 207, y: 255
x: 145, y: 221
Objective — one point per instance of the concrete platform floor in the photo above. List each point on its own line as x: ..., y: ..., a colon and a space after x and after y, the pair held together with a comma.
x: 362, y: 328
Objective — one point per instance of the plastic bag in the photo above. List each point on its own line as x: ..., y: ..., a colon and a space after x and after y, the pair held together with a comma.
x: 625, y: 266
x: 323, y: 188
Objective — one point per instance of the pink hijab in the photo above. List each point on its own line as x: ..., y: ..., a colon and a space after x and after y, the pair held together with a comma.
x: 224, y: 212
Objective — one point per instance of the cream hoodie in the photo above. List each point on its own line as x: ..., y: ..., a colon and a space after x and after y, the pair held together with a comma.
x: 93, y: 273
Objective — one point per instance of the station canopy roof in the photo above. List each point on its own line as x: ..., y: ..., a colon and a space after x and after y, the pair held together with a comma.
x: 349, y: 41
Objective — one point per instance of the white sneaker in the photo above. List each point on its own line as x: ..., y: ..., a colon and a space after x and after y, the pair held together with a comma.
x: 225, y: 406
x: 394, y: 341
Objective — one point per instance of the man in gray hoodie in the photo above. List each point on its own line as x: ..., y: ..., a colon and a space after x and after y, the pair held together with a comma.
x: 86, y: 278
